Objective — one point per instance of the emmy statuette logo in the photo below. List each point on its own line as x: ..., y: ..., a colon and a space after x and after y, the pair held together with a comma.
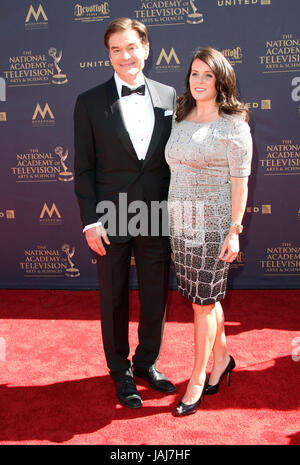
x: 70, y: 272
x: 59, y: 77
x: 195, y: 17
x: 64, y: 175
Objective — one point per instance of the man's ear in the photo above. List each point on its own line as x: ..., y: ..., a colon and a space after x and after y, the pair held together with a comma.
x: 147, y: 50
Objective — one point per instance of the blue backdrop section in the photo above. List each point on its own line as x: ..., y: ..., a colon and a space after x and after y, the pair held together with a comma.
x: 52, y: 50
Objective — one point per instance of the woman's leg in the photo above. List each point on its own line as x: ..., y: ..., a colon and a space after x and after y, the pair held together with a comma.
x: 205, y: 328
x: 221, y: 356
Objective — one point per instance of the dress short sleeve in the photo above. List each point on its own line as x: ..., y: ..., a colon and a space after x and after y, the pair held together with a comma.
x: 239, y: 149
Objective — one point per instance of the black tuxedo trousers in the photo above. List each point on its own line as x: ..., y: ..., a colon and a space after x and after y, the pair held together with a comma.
x: 106, y: 165
x: 152, y: 258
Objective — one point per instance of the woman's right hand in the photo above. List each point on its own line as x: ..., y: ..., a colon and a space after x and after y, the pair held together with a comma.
x: 230, y: 248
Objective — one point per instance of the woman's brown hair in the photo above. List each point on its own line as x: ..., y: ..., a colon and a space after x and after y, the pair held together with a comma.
x: 225, y: 86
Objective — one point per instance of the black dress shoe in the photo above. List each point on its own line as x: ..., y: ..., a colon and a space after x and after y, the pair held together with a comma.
x: 213, y: 389
x: 156, y: 380
x: 187, y: 409
x: 127, y: 393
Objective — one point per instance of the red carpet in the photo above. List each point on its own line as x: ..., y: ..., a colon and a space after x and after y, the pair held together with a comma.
x: 55, y: 388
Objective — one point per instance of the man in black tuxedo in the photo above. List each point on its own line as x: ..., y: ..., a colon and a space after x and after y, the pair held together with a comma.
x: 121, y: 129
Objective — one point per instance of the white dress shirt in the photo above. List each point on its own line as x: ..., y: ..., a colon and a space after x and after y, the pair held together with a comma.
x: 138, y: 115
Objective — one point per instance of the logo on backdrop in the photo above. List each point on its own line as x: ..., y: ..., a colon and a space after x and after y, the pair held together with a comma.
x: 50, y: 216
x: 281, y: 55
x: 281, y: 159
x: 195, y: 17
x: 91, y: 13
x: 39, y: 166
x: 262, y: 209
x: 31, y: 69
x: 264, y: 104
x: 71, y: 271
x: 233, y: 55
x: 281, y: 260
x: 167, y: 13
x: 2, y: 97
x: 36, y: 18
x: 42, y: 261
x: 93, y: 64
x: 7, y: 214
x: 239, y: 262
x: 43, y: 116
x: 58, y: 77
x: 64, y: 175
x: 168, y: 62
x: 243, y: 2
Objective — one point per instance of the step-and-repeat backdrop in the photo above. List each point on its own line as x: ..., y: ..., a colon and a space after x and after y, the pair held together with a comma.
x: 52, y: 50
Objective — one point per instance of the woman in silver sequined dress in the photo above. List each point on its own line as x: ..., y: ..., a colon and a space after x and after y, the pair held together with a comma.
x: 209, y: 153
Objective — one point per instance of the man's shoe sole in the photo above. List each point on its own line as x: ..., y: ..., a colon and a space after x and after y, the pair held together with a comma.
x: 127, y: 404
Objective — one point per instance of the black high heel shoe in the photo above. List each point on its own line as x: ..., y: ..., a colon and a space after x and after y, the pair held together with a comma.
x: 188, y: 409
x: 213, y: 389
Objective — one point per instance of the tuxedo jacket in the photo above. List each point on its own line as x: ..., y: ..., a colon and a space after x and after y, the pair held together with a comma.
x: 106, y: 163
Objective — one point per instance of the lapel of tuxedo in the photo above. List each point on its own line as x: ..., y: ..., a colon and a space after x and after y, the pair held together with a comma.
x: 119, y: 124
x: 158, y: 119
x: 117, y: 117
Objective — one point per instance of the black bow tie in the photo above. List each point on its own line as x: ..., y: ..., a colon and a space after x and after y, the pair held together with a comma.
x: 127, y: 91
